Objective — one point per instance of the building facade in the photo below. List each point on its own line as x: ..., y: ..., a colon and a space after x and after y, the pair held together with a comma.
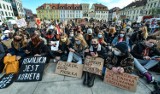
x: 133, y: 10
x: 113, y: 14
x: 28, y: 13
x: 99, y: 12
x: 18, y: 8
x: 60, y: 12
x: 151, y: 5
x: 6, y: 10
x: 85, y: 10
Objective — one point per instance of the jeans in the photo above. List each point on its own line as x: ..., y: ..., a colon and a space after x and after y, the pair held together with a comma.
x: 144, y: 65
x: 72, y: 56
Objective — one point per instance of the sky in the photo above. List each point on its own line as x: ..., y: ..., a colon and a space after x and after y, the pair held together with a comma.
x: 33, y: 4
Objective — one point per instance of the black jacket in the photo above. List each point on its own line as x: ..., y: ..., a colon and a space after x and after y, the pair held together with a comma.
x: 138, y: 49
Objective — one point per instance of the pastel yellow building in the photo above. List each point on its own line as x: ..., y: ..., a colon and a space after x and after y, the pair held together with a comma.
x: 48, y: 12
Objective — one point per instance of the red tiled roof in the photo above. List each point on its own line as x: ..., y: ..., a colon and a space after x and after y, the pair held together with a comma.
x: 100, y: 7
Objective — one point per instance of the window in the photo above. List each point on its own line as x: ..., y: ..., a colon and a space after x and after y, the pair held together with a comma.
x: 6, y: 14
x: 10, y: 8
x: 9, y: 13
x: 2, y: 13
x: 4, y: 6
x: 0, y: 6
x: 7, y: 7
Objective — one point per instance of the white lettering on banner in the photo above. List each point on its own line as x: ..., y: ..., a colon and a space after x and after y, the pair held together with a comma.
x: 30, y: 68
x: 29, y: 76
x: 5, y: 81
x: 35, y: 60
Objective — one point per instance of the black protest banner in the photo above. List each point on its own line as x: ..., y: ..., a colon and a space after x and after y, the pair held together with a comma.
x: 32, y: 69
x: 6, y: 80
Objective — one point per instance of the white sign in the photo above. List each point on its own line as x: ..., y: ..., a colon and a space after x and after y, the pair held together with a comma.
x: 21, y: 22
x: 139, y: 19
x: 56, y: 45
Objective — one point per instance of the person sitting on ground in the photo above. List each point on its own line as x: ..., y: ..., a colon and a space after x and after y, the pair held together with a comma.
x: 18, y: 46
x: 77, y: 51
x: 95, y: 50
x: 146, y: 56
x: 3, y: 53
x: 120, y: 60
x: 101, y: 39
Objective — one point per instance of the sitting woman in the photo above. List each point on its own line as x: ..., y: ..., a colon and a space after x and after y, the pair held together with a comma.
x: 121, y: 38
x: 77, y: 51
x: 18, y: 46
x: 95, y: 50
x: 64, y: 45
x: 36, y: 47
x: 120, y: 60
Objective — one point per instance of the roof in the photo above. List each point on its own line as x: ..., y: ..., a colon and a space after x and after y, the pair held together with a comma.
x: 100, y: 7
x: 62, y: 6
x: 114, y: 9
x: 137, y: 4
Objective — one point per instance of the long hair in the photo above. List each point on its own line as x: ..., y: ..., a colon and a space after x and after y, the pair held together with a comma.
x: 112, y: 30
x: 145, y: 32
x: 64, y: 36
x: 83, y: 42
x: 20, y: 44
x: 35, y: 39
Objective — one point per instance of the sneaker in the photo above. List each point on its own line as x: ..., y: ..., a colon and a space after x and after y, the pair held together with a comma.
x: 149, y: 77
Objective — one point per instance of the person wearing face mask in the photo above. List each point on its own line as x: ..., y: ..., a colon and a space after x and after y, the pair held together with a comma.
x: 101, y: 39
x: 121, y: 38
x: 146, y: 56
x: 95, y: 50
x: 122, y: 61
x: 77, y: 50
x: 63, y: 49
x: 71, y: 36
x: 88, y: 36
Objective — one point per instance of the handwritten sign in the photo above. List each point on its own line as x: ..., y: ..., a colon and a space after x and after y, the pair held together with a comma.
x: 56, y: 45
x: 93, y: 65
x: 38, y: 21
x: 32, y: 69
x: 21, y: 22
x: 69, y: 69
x: 6, y: 80
x: 125, y: 81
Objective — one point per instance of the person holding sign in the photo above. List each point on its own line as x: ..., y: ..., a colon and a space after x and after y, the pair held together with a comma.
x: 95, y: 50
x: 146, y: 56
x: 64, y: 45
x: 121, y: 60
x: 77, y: 51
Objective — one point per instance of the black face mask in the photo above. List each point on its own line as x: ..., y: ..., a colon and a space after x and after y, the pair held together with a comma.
x: 94, y: 45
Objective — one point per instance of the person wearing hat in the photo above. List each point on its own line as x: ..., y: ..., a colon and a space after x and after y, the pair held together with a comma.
x: 124, y: 60
x: 88, y: 36
x: 146, y: 56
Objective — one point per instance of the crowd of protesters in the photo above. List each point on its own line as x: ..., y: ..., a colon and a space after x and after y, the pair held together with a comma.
x: 124, y: 47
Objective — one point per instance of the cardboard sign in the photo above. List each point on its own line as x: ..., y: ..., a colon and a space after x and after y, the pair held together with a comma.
x: 38, y: 21
x: 69, y: 69
x: 125, y: 81
x: 32, y: 69
x: 6, y: 80
x: 21, y: 22
x: 93, y: 65
x: 55, y: 48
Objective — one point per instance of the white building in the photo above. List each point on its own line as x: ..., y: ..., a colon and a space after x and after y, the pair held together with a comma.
x: 85, y: 10
x: 133, y: 10
x: 151, y: 4
x: 6, y: 10
x: 18, y: 8
x: 99, y: 12
x: 70, y: 11
x: 113, y: 14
